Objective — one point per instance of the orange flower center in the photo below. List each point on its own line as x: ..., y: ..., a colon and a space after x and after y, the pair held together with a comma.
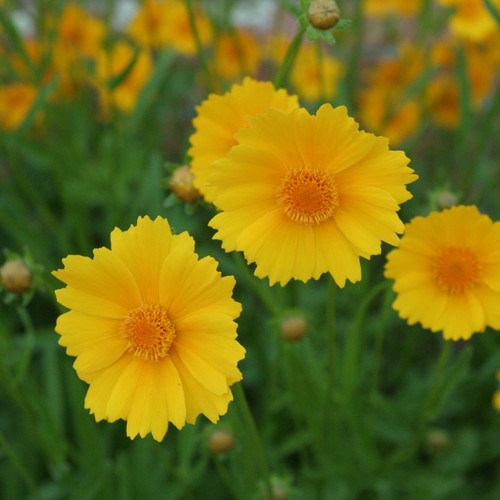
x: 457, y: 269
x: 308, y: 195
x: 148, y: 331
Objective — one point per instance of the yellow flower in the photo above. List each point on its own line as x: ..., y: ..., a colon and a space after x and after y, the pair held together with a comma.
x: 152, y: 329
x: 391, y: 7
x: 443, y: 100
x: 220, y: 117
x: 303, y: 195
x: 446, y: 272
x: 236, y: 54
x: 162, y: 23
x: 471, y: 19
x: 16, y: 100
x: 312, y: 81
x: 113, y: 64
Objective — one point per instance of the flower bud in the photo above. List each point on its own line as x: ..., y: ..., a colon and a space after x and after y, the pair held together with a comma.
x: 323, y: 14
x: 15, y: 276
x: 181, y: 183
x: 221, y: 440
x: 437, y: 440
x: 446, y: 199
x: 293, y: 328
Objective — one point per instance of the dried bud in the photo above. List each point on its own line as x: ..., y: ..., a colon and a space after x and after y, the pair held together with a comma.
x: 323, y: 14
x: 221, y: 440
x: 15, y: 276
x: 293, y: 328
x: 181, y: 183
x: 446, y: 199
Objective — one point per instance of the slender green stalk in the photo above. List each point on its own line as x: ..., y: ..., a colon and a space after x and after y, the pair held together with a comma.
x: 287, y: 64
x: 263, y: 291
x: 250, y: 426
x: 353, y: 63
x: 226, y: 478
x: 199, y: 48
x: 19, y: 466
x: 493, y: 11
x: 29, y: 342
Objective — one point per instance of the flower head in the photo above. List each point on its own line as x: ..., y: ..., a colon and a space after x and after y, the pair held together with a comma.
x: 16, y: 101
x: 220, y: 117
x: 152, y: 329
x: 302, y: 195
x: 446, y: 272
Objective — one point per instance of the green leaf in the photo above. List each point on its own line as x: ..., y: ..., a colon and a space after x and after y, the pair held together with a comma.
x: 342, y: 24
x: 312, y: 33
x: 16, y: 40
x: 303, y: 21
x: 328, y: 37
x: 118, y: 79
x: 493, y: 11
x: 304, y: 4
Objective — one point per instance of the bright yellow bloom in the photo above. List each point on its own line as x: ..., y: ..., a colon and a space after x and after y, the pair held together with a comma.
x: 162, y: 23
x: 113, y: 64
x: 314, y: 78
x: 471, y: 19
x: 236, y: 54
x: 391, y: 7
x: 220, y: 117
x: 152, y: 328
x: 303, y: 195
x: 16, y: 100
x: 446, y: 272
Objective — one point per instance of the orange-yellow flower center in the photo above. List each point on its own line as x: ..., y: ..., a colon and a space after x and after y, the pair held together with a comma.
x: 308, y: 195
x: 148, y: 331
x: 457, y: 269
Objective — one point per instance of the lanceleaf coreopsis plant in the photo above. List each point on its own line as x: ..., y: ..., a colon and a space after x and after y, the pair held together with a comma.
x: 306, y: 289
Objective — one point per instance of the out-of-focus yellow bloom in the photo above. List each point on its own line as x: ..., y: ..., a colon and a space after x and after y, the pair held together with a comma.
x: 443, y: 100
x: 16, y: 100
x: 397, y: 123
x: 383, y: 106
x: 162, y: 23
x: 471, y: 19
x: 79, y: 36
x: 236, y: 54
x: 111, y: 65
x: 391, y: 7
x: 315, y: 77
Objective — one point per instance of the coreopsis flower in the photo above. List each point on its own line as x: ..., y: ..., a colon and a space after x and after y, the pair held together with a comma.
x: 446, y: 272
x: 391, y: 7
x: 302, y: 195
x: 166, y: 23
x: 220, y: 116
x: 16, y: 101
x: 313, y: 77
x: 236, y: 54
x: 111, y: 64
x: 471, y: 19
x: 152, y: 328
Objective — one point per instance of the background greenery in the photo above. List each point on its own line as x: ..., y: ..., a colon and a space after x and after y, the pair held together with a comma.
x: 384, y: 412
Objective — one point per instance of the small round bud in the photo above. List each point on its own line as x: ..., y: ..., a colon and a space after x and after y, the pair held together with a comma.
x: 293, y: 328
x: 446, y: 199
x: 15, y: 276
x: 437, y: 440
x: 181, y: 183
x: 221, y: 440
x: 323, y: 14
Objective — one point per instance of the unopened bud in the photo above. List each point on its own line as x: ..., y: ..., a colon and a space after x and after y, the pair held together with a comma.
x: 323, y: 14
x: 15, y: 276
x: 181, y: 183
x: 293, y: 328
x: 446, y: 199
x: 437, y: 440
x: 221, y: 440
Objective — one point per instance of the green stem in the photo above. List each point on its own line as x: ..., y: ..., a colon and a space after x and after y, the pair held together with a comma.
x: 226, y: 477
x: 493, y: 11
x: 199, y: 48
x: 288, y: 60
x: 19, y: 466
x: 29, y: 342
x: 258, y: 285
x: 250, y: 426
x: 353, y: 64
